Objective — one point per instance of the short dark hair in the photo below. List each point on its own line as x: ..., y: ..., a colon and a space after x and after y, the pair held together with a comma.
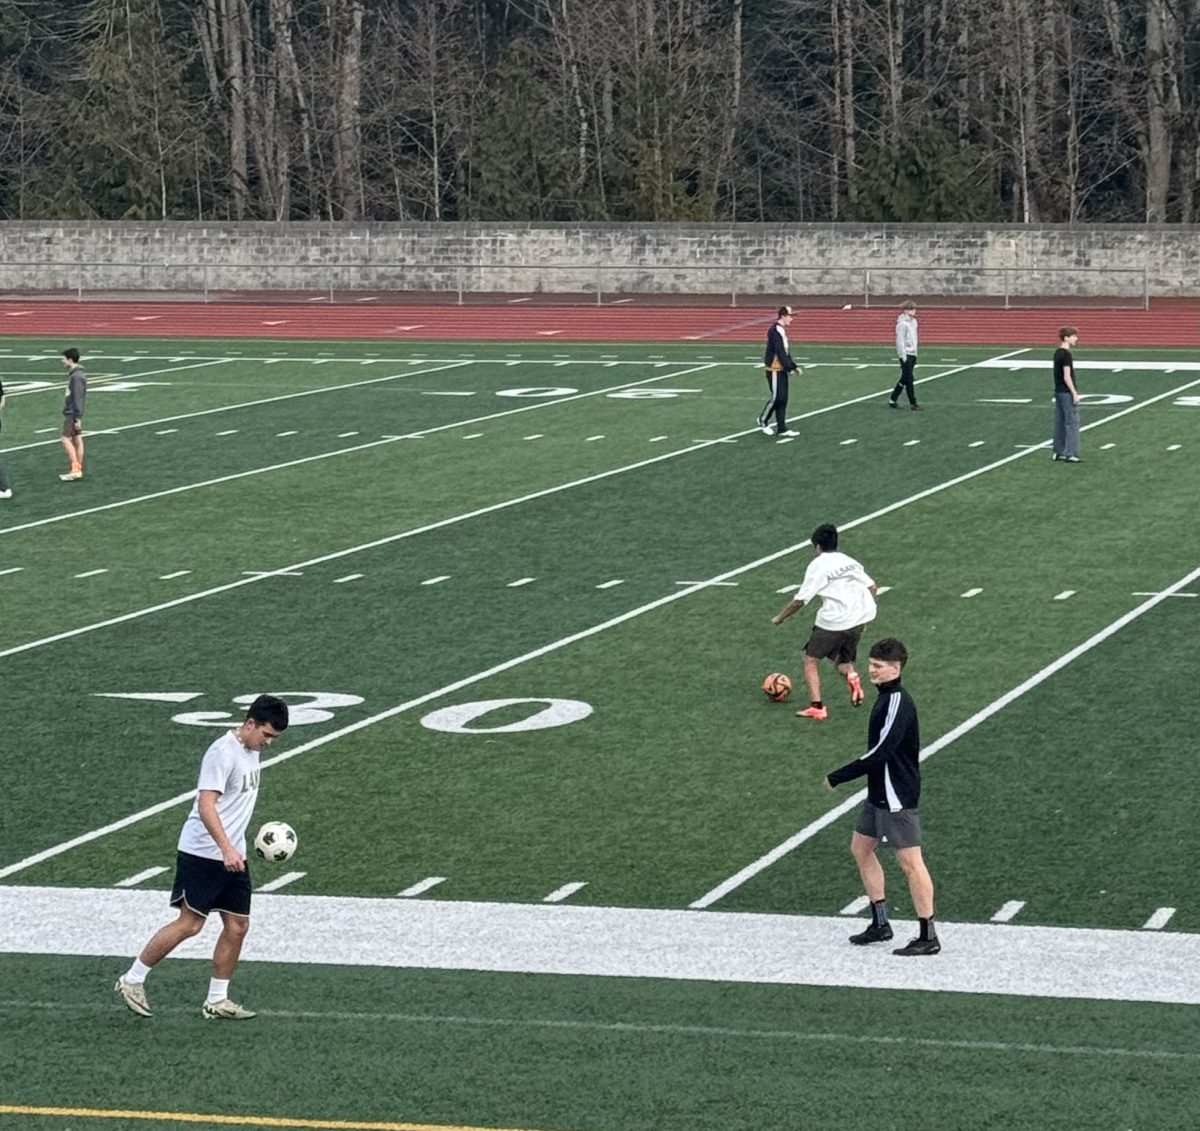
x: 1066, y: 332
x: 784, y: 311
x: 825, y: 537
x: 890, y: 650
x: 908, y: 304
x: 270, y: 710
x: 71, y: 354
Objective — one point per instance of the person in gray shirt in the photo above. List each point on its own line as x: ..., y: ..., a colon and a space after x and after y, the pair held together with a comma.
x: 72, y: 427
x: 5, y: 486
x: 906, y: 351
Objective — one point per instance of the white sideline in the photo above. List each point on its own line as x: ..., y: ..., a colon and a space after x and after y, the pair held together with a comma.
x: 487, y: 673
x: 810, y: 830
x: 1053, y: 962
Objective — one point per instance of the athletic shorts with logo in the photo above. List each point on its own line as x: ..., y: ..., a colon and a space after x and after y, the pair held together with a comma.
x: 901, y: 829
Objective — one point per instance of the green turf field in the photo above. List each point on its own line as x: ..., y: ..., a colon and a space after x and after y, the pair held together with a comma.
x: 519, y: 598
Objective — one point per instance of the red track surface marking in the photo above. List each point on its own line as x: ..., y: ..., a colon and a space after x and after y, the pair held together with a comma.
x: 1171, y: 324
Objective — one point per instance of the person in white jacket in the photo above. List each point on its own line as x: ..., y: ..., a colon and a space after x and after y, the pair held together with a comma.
x: 906, y: 351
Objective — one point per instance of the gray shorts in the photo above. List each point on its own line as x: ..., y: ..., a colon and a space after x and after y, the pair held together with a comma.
x: 840, y: 647
x: 897, y: 830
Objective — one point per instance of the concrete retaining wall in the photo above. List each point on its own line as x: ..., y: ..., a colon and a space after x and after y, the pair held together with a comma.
x: 800, y: 259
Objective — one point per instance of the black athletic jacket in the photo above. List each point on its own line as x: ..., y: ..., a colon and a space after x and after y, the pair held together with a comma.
x: 777, y: 348
x: 893, y: 743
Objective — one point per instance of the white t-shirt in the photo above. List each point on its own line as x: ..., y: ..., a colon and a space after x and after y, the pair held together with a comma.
x: 842, y: 584
x: 232, y: 770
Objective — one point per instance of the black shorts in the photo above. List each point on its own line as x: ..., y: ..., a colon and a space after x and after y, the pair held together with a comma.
x: 840, y: 647
x: 203, y: 885
x: 901, y: 829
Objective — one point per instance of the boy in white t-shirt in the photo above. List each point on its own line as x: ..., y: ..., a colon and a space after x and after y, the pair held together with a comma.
x: 210, y: 869
x: 847, y: 595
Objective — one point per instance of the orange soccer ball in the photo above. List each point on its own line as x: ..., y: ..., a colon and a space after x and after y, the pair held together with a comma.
x: 777, y: 687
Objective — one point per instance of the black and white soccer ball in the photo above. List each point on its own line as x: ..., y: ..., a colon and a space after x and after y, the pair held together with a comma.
x: 276, y: 842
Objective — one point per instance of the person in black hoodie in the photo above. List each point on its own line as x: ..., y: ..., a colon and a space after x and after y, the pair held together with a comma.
x: 779, y: 364
x: 889, y: 814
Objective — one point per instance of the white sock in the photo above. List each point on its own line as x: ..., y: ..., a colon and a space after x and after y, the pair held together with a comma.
x: 137, y: 972
x: 218, y: 990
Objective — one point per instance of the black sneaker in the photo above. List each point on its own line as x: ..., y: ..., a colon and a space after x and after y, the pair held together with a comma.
x: 874, y: 933
x: 919, y: 946
x: 916, y: 408
x: 892, y: 404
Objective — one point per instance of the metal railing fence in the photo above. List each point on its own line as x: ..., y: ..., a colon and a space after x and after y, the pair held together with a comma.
x: 733, y: 285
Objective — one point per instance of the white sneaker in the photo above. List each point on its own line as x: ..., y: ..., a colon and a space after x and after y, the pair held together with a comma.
x: 134, y: 996
x: 225, y: 1010
x: 767, y: 429
x: 6, y: 494
x: 71, y: 476
x: 789, y: 433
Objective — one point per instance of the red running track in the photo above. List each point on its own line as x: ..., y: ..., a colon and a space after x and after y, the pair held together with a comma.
x: 1171, y: 324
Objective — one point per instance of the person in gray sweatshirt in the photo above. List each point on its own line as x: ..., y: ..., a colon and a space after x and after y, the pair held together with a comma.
x: 906, y: 351
x: 72, y: 426
x: 5, y: 486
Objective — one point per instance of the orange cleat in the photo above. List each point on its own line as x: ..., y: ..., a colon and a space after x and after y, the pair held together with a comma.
x: 813, y: 713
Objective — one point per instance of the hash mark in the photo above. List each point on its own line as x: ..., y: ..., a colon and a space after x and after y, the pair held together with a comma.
x: 559, y: 894
x: 424, y: 885
x: 1008, y: 911
x: 1159, y: 919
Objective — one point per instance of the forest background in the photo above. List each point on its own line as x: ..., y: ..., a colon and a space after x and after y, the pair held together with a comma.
x: 1033, y: 111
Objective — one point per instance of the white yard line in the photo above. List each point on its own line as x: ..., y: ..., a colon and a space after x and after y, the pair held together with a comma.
x: 810, y: 830
x: 506, y: 665
x: 565, y: 938
x: 138, y: 877
x: 249, y: 404
x: 59, y: 385
x: 281, y: 881
x: 354, y: 448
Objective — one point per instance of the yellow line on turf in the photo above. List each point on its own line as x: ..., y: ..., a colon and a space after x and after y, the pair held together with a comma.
x: 239, y: 1120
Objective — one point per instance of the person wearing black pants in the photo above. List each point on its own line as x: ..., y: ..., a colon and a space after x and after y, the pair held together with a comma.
x: 906, y: 351
x: 779, y: 364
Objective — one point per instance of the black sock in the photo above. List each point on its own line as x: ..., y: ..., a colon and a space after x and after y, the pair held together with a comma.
x: 817, y: 703
x: 878, y: 912
x: 928, y: 931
